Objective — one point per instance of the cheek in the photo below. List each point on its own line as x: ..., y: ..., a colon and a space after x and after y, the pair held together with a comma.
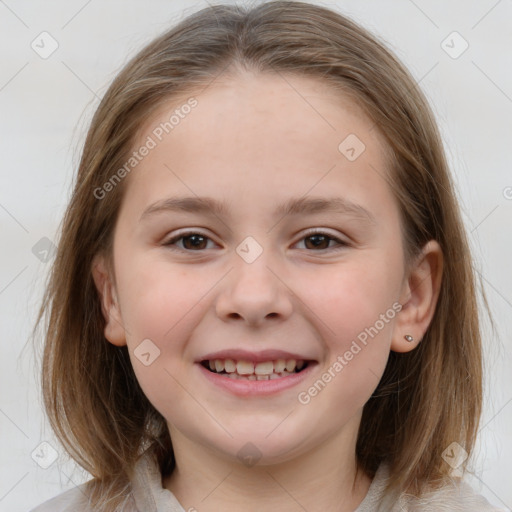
x: 357, y: 308
x: 159, y: 306
x: 159, y: 299
x: 350, y: 298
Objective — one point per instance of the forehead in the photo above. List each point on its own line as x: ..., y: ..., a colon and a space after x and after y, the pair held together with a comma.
x: 255, y: 136
x: 232, y: 108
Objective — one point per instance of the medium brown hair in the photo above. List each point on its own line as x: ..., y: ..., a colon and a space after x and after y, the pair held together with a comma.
x: 427, y: 398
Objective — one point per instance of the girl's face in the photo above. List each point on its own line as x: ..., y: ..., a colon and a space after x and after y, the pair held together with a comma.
x: 291, y: 250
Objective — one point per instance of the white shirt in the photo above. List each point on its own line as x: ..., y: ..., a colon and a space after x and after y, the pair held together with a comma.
x: 148, y: 495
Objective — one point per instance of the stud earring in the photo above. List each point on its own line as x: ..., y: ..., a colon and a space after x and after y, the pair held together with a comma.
x: 409, y: 338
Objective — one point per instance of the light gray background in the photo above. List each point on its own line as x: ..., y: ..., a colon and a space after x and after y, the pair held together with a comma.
x: 45, y: 105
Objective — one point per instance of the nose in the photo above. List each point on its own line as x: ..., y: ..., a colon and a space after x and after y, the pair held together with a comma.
x: 254, y: 293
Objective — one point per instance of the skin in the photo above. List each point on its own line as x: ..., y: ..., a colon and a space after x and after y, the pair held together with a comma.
x: 254, y: 142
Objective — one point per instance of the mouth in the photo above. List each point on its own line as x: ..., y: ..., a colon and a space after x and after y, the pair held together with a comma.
x: 263, y: 370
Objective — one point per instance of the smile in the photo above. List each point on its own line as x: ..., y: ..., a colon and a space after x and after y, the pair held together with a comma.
x: 247, y: 370
x: 246, y: 378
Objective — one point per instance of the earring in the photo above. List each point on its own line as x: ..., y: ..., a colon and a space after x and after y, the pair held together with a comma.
x: 409, y: 338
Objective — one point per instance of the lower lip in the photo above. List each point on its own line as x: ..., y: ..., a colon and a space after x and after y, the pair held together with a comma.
x: 256, y: 387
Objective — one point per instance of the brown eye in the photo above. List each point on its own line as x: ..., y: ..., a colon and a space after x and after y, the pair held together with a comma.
x: 195, y: 242
x: 320, y: 241
x: 191, y: 242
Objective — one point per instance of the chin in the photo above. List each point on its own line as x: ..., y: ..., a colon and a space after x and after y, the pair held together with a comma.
x: 258, y: 448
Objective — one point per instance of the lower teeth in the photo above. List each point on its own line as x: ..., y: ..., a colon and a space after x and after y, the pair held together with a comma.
x: 272, y: 376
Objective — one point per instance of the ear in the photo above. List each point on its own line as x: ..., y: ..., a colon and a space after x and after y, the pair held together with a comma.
x: 419, y: 298
x: 114, y: 330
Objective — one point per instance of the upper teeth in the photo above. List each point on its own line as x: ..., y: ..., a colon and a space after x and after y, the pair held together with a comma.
x: 249, y: 368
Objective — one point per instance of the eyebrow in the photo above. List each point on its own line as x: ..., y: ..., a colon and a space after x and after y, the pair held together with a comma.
x: 300, y: 206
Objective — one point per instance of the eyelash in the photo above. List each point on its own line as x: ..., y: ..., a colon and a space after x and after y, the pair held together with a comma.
x: 308, y: 234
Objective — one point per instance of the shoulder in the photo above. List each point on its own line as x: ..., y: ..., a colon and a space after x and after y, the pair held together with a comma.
x: 144, y: 493
x: 75, y: 500
x: 457, y: 496
x: 451, y: 498
x: 72, y: 500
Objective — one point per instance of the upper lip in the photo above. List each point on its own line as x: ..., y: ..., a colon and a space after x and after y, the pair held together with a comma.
x: 255, y: 357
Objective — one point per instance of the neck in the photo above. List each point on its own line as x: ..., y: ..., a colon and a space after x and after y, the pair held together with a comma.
x: 325, y: 478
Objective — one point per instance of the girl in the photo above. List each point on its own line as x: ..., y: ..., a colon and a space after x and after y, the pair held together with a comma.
x: 263, y: 296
